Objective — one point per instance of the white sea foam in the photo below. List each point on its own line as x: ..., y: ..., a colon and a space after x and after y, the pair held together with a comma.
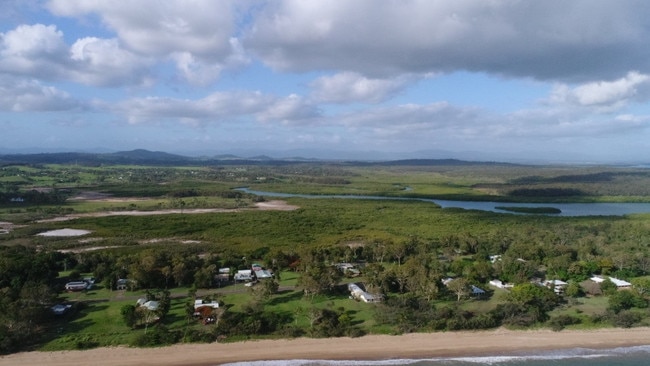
x: 555, y: 355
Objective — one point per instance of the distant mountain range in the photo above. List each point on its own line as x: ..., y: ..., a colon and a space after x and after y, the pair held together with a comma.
x: 159, y: 158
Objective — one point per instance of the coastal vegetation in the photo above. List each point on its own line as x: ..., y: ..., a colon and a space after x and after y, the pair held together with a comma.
x: 162, y: 233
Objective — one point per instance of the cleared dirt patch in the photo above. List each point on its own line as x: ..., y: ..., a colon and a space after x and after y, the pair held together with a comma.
x: 270, y: 205
x: 276, y: 205
x: 65, y: 232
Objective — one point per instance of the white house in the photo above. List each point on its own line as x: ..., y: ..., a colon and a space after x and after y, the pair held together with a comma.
x: 262, y: 274
x: 499, y: 284
x: 199, y: 303
x: 76, y: 286
x: 150, y: 305
x: 558, y: 286
x: 244, y: 275
x: 357, y: 293
x: 620, y: 284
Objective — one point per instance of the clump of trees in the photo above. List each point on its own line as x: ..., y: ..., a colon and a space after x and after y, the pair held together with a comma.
x: 27, y: 288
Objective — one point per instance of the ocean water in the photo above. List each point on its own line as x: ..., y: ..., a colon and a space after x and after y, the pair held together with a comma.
x: 625, y: 356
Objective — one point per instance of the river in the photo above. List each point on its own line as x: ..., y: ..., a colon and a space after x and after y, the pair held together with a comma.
x: 568, y: 209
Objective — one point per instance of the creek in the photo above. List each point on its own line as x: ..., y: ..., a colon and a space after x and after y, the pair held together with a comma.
x: 568, y: 209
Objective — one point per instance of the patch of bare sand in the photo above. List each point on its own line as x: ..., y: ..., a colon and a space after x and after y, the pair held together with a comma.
x: 104, y: 197
x: 375, y: 347
x: 270, y: 205
x: 276, y: 205
x: 64, y: 232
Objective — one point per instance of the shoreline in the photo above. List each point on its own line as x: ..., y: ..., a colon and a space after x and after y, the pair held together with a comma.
x: 497, y: 342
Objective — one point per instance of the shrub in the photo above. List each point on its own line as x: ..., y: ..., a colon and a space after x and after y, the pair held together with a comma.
x: 626, y: 319
x: 157, y: 336
x: 561, y: 321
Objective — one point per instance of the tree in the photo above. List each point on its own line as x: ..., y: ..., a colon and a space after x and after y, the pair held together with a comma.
x: 529, y: 302
x: 129, y: 315
x: 573, y: 289
x: 400, y: 250
x: 423, y: 276
x: 264, y: 289
x: 317, y: 277
x: 460, y: 287
x: 608, y: 287
x: 375, y: 275
x: 641, y: 285
x: 624, y: 300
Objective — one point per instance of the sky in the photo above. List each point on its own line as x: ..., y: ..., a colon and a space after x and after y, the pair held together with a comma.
x: 507, y: 80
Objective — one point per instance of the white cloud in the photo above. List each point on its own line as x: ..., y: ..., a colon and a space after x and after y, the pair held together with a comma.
x: 18, y: 95
x: 197, y: 34
x: 553, y: 39
x: 220, y: 108
x: 290, y: 110
x: 416, y: 125
x: 36, y: 50
x: 350, y: 87
x: 605, y: 95
x: 40, y: 51
x: 104, y: 62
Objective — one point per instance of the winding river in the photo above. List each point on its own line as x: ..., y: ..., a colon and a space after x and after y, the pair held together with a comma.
x: 568, y: 209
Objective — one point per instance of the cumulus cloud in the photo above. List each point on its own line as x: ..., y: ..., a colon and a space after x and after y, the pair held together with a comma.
x: 350, y: 87
x: 605, y: 95
x: 220, y: 107
x: 37, y: 50
x: 198, y: 34
x: 18, y: 95
x: 550, y: 40
x: 104, y: 62
x: 412, y: 124
x: 40, y: 51
x: 290, y: 110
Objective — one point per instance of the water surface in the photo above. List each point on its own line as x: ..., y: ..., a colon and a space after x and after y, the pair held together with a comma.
x: 568, y: 209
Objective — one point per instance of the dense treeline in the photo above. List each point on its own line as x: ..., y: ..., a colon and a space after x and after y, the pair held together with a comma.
x: 27, y: 287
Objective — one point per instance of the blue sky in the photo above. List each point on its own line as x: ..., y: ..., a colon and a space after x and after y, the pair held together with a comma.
x: 488, y: 80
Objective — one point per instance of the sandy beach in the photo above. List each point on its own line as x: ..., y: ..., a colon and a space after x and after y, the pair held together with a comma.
x: 446, y: 344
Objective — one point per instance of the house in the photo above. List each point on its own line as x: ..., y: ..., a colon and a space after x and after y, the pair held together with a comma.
x: 262, y: 274
x: 620, y: 284
x: 199, y: 303
x: 122, y: 284
x: 477, y: 291
x: 150, y: 305
x: 348, y: 269
x: 76, y: 286
x: 445, y: 281
x: 223, y: 275
x: 357, y: 293
x: 558, y: 286
x: 243, y: 275
x: 499, y: 284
